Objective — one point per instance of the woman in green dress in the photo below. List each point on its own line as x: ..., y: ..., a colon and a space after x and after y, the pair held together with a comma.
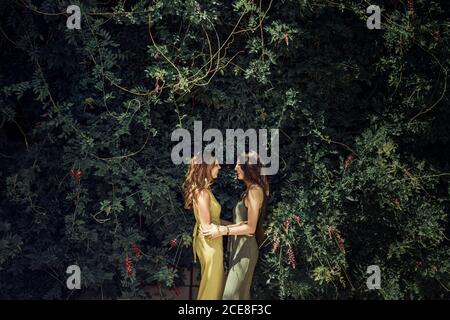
x: 245, y: 239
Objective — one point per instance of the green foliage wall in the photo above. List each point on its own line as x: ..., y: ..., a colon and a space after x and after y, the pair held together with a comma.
x: 86, y: 118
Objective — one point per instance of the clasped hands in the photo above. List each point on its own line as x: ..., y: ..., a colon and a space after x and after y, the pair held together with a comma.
x: 216, y: 231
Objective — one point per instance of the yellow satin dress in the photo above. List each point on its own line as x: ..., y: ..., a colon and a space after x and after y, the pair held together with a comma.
x: 210, y: 254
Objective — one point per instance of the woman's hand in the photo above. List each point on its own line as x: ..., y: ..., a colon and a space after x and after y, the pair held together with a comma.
x: 214, y: 232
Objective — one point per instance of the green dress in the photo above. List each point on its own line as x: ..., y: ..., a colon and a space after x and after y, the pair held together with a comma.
x: 243, y: 257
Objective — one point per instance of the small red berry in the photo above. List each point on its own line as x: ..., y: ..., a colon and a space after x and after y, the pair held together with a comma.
x: 79, y: 173
x: 173, y: 243
x: 286, y: 38
x: 349, y: 160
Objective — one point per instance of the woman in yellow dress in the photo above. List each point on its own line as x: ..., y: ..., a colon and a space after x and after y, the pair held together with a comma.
x: 199, y: 197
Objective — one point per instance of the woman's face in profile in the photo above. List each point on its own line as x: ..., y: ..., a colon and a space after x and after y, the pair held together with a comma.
x: 215, y: 169
x: 239, y: 171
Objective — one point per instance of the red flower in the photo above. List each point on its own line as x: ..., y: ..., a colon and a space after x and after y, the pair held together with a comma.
x: 128, y: 266
x: 341, y: 244
x: 79, y: 173
x: 275, y: 244
x: 349, y: 160
x: 286, y: 224
x: 136, y: 249
x: 173, y: 243
x: 332, y: 231
x: 72, y: 173
x: 410, y: 7
x: 291, y: 257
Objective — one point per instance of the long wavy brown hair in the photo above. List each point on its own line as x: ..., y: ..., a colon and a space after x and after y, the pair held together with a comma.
x: 251, y: 165
x: 198, y: 177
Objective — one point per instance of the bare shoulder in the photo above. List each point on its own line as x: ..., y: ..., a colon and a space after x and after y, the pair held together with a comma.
x: 256, y: 191
x: 202, y: 196
x: 255, y: 195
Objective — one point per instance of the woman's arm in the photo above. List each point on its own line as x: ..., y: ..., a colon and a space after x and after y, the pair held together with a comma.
x: 255, y: 199
x: 230, y: 224
x: 203, y: 209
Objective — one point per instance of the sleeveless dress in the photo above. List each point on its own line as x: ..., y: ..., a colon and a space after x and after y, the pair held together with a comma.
x: 210, y: 254
x: 243, y: 257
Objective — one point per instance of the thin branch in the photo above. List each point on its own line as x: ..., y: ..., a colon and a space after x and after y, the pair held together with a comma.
x: 23, y: 133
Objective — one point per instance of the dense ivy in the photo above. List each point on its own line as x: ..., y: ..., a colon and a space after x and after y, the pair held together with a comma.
x: 87, y: 115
